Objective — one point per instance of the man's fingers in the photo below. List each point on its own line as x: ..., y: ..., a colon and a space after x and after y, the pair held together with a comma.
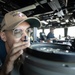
x: 18, y: 44
x: 16, y: 55
x: 15, y: 50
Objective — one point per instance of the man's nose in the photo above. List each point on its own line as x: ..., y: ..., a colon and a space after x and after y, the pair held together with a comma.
x: 24, y: 36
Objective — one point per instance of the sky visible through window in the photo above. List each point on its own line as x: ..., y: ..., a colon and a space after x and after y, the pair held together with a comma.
x: 71, y: 31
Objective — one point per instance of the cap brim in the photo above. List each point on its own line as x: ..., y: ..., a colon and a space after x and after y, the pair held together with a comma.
x: 34, y: 22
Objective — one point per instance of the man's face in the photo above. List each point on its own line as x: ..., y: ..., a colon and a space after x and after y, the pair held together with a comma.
x: 12, y: 36
x: 52, y: 30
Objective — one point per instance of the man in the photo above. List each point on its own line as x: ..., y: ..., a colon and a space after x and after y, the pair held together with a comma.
x: 42, y: 37
x: 14, y: 30
x: 50, y: 36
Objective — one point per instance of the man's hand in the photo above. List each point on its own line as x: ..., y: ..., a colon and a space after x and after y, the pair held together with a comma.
x: 14, y: 53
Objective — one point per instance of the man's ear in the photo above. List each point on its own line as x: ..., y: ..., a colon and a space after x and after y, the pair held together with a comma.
x: 3, y: 36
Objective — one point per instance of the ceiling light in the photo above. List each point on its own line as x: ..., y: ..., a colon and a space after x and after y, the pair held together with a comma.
x: 63, y: 23
x: 44, y: 22
x: 73, y: 20
x: 67, y: 20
